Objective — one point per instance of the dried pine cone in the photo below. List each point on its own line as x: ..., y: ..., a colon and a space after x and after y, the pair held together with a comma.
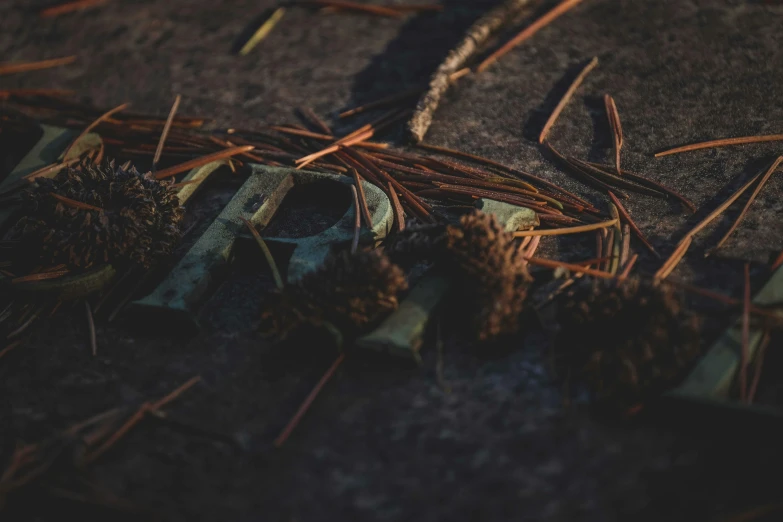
x: 351, y: 291
x: 489, y: 274
x: 627, y: 341
x: 138, y: 220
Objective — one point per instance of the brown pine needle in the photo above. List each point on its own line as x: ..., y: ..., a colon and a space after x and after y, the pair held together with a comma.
x: 567, y: 98
x: 758, y: 367
x: 453, y: 77
x: 625, y: 251
x: 10, y: 347
x: 164, y: 134
x: 91, y: 325
x: 778, y: 262
x: 69, y: 7
x: 94, y: 124
x: 357, y: 222
x: 75, y: 204
x: 357, y: 179
x: 354, y: 6
x: 199, y: 162
x: 399, y: 219
x: 625, y: 215
x: 280, y: 440
x: 724, y: 142
x: 11, y: 68
x: 743, y: 372
x: 551, y: 263
x: 176, y: 393
x: 742, y: 214
x: 263, y: 31
x: 566, y: 230
x: 383, y: 102
x: 417, y: 8
x: 23, y: 93
x: 628, y: 266
x: 617, y: 130
x: 302, y: 162
x: 674, y: 259
x: 726, y: 204
x: 267, y: 254
x: 313, y: 118
x: 39, y: 277
x: 529, y: 31
x: 50, y: 169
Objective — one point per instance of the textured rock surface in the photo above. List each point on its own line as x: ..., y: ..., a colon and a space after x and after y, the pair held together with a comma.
x: 386, y: 443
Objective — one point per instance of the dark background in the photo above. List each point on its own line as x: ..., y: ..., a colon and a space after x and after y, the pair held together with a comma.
x: 385, y: 442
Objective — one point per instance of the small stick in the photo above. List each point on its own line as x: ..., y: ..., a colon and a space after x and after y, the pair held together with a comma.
x: 280, y: 440
x: 94, y: 124
x: 399, y: 219
x: 624, y: 213
x: 11, y: 68
x: 69, y: 7
x: 724, y: 142
x: 165, y: 133
x: 551, y: 263
x: 75, y: 204
x: 357, y: 222
x: 357, y: 179
x: 743, y: 374
x: 198, y: 162
x: 353, y: 6
x: 567, y: 98
x: 263, y: 31
x: 567, y: 230
x: 742, y: 214
x: 529, y: 31
x: 475, y: 37
x: 617, y: 130
x: 267, y: 254
x: 91, y: 325
x: 758, y: 366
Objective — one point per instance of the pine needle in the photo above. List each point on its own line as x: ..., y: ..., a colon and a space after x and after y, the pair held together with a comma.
x: 267, y: 254
x: 263, y: 31
x: 11, y: 68
x: 164, y: 134
x: 724, y: 142
x: 566, y: 230
x: 567, y: 98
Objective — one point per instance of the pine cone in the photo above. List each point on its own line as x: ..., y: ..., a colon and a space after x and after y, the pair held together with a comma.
x: 351, y: 291
x: 138, y: 222
x: 627, y: 341
x: 418, y: 242
x: 490, y: 278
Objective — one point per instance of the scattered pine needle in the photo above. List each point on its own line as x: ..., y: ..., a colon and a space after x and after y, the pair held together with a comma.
x: 567, y: 230
x: 357, y: 222
x: 399, y: 219
x: 280, y: 440
x: 383, y: 102
x: 91, y: 325
x: 617, y: 130
x: 628, y: 266
x: 743, y: 372
x: 91, y: 126
x: 529, y: 31
x: 11, y: 68
x: 267, y: 254
x: 316, y: 120
x: 724, y: 142
x: 624, y: 213
x: 357, y: 179
x: 263, y: 31
x: 75, y: 204
x: 50, y: 169
x: 69, y: 7
x: 199, y: 162
x: 164, y: 134
x: 10, y: 347
x: 39, y: 277
x: 306, y: 160
x: 742, y: 214
x: 354, y: 6
x: 551, y: 263
x: 567, y: 98
x: 674, y: 259
x: 778, y: 262
x: 23, y: 93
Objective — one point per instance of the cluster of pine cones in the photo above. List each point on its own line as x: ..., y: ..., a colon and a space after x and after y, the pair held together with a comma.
x: 137, y: 224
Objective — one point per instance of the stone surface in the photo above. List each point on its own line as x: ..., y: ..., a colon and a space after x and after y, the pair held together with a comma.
x: 385, y: 443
